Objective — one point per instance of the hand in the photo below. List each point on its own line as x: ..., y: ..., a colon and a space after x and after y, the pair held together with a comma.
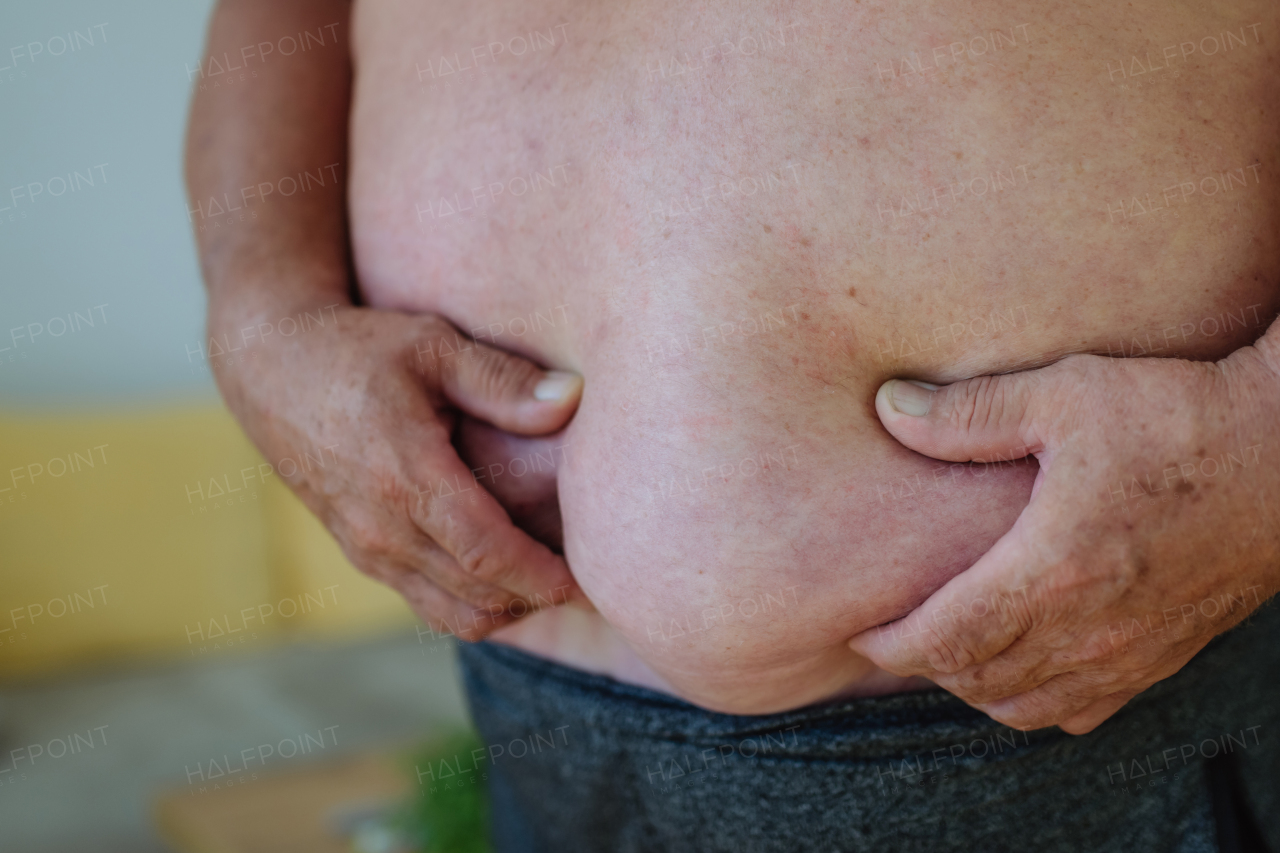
x: 521, y: 473
x: 372, y: 394
x: 1152, y: 527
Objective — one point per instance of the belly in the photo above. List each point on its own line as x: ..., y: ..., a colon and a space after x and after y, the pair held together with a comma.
x: 736, y: 225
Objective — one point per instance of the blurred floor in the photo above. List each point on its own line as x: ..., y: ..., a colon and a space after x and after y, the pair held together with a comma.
x: 169, y: 724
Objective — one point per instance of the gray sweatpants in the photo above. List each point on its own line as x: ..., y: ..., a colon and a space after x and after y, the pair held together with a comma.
x: 583, y: 763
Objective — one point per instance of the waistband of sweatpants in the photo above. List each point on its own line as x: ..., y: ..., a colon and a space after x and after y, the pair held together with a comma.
x: 526, y: 686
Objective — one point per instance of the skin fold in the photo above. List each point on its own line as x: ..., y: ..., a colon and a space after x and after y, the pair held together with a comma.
x: 736, y: 223
x: 736, y: 255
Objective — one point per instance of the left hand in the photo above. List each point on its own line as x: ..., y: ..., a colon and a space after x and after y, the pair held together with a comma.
x: 1153, y: 526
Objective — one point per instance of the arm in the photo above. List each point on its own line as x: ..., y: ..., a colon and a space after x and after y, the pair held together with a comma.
x: 362, y: 390
x: 292, y: 116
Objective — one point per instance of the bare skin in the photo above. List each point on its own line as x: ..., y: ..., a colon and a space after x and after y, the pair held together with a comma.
x: 737, y: 249
x: 711, y: 466
x: 364, y: 390
x: 1153, y: 529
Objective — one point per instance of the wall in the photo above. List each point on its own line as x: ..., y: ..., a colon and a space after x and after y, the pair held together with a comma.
x: 108, y: 416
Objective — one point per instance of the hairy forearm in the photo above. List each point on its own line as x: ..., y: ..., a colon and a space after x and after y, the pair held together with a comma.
x: 282, y: 252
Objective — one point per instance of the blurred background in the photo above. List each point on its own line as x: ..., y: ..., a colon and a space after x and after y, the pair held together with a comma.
x: 187, y: 661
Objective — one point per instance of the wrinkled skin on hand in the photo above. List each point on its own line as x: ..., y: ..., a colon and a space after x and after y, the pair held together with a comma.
x: 1154, y: 526
x: 371, y: 393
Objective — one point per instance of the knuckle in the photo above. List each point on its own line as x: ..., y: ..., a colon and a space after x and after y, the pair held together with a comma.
x: 430, y: 512
x: 477, y: 559
x: 476, y: 553
x: 496, y: 373
x: 980, y: 686
x: 414, y: 506
x: 422, y: 507
x: 1018, y: 611
x: 394, y: 492
x: 981, y: 405
x: 945, y: 653
x: 1073, y: 582
x: 1097, y: 648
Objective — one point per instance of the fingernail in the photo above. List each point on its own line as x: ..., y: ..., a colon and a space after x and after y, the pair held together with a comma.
x: 556, y: 387
x: 911, y: 397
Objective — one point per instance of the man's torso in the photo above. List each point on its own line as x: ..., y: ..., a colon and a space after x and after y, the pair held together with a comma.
x: 737, y: 221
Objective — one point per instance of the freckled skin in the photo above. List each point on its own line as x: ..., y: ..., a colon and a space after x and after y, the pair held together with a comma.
x: 844, y: 285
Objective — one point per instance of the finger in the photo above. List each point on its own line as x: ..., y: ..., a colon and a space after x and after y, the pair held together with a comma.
x: 1096, y: 714
x: 517, y: 470
x: 443, y: 613
x: 1031, y: 660
x: 520, y: 472
x: 463, y: 603
x: 508, y: 391
x: 384, y: 545
x: 999, y: 678
x: 442, y: 570
x: 437, y: 566
x: 990, y: 418
x: 471, y: 526
x: 972, y: 618
x: 1057, y: 700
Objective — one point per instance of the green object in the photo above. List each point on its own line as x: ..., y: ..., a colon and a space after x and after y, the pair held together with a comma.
x: 450, y: 813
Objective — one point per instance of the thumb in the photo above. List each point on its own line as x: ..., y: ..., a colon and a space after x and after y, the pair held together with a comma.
x: 976, y: 420
x: 509, y: 391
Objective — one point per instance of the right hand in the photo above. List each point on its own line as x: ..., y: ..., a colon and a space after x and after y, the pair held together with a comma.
x: 520, y: 471
x: 375, y: 394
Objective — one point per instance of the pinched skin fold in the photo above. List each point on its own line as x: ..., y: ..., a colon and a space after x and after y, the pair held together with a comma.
x: 736, y: 256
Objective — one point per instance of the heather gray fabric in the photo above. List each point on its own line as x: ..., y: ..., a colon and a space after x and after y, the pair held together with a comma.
x: 629, y: 769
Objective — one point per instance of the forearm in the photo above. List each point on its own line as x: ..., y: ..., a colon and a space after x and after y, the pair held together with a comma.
x: 291, y: 118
